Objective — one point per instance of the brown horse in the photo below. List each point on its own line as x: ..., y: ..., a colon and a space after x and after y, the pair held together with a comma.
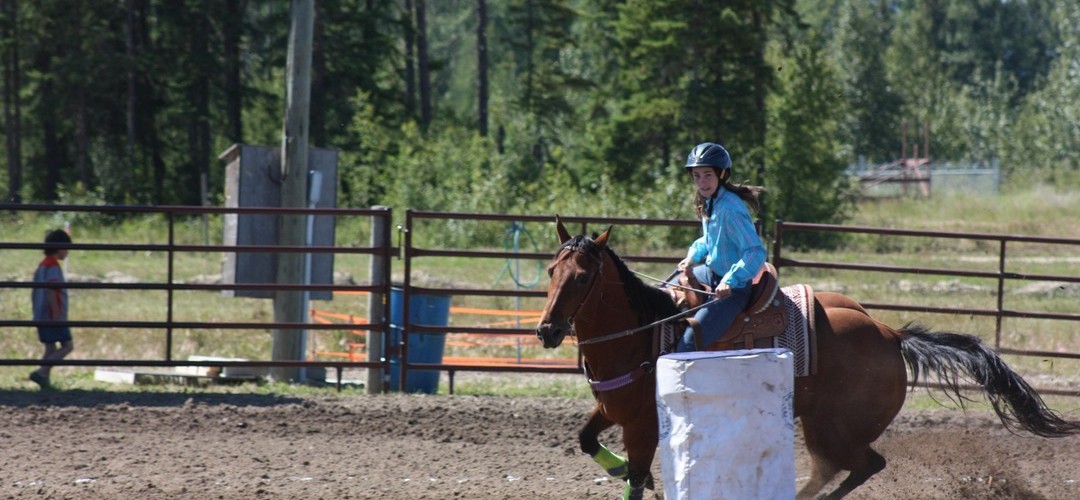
x: 858, y: 389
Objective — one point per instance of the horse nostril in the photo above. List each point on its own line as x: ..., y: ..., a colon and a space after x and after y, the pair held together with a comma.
x: 543, y: 332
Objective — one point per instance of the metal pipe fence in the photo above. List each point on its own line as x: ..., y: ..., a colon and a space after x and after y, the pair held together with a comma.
x: 410, y: 254
x: 1001, y: 275
x: 414, y: 252
x: 171, y: 248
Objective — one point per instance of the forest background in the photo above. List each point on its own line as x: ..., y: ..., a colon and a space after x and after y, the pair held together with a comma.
x: 536, y: 106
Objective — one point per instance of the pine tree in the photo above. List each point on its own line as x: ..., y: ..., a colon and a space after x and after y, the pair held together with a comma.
x: 806, y: 173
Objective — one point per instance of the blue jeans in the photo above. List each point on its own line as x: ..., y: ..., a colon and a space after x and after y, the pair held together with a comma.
x: 715, y: 318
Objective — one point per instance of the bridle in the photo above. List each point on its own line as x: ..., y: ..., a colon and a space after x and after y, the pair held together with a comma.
x: 636, y: 373
x: 592, y: 285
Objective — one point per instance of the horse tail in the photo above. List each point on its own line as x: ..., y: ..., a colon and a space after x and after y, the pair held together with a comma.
x: 947, y: 354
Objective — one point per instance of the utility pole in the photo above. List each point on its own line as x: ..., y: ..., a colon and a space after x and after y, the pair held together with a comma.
x: 289, y: 305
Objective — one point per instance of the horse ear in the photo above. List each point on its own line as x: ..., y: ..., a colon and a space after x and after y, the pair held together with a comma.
x: 564, y: 235
x: 602, y: 239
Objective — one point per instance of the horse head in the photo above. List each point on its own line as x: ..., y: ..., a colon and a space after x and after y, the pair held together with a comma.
x: 575, y: 271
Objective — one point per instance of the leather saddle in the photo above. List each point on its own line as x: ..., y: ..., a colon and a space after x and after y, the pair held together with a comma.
x: 764, y: 317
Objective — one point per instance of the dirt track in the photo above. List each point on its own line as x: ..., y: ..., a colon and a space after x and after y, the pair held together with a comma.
x: 151, y: 446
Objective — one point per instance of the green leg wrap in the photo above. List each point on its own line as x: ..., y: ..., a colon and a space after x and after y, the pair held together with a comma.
x: 612, y: 463
x: 632, y: 493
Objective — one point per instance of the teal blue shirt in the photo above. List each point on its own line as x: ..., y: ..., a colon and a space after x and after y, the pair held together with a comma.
x: 729, y: 244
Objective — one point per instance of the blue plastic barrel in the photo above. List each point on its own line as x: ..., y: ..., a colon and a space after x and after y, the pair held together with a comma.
x: 426, y: 347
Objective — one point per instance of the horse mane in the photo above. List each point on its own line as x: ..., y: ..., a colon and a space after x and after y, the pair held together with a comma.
x: 651, y: 303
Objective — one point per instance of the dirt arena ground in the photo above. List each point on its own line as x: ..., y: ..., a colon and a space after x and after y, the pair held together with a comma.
x: 127, y: 445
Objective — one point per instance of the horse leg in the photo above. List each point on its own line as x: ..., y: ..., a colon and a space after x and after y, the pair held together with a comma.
x: 640, y: 438
x: 873, y: 464
x: 862, y: 464
x: 612, y: 463
x: 640, y: 442
x: 821, y: 472
x: 858, y: 390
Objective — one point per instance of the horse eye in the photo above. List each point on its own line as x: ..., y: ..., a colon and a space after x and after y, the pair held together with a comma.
x: 582, y: 279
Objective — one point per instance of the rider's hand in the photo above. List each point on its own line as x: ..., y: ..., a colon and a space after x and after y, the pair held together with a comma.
x: 722, y: 291
x: 684, y: 265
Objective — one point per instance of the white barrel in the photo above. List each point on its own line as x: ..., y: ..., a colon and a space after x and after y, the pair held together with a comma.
x: 726, y: 424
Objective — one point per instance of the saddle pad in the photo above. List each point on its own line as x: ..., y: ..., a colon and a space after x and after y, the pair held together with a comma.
x: 798, y: 336
x: 666, y: 335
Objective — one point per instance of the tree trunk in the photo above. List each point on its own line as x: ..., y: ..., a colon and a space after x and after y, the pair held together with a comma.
x: 530, y: 49
x: 82, y: 140
x: 148, y: 107
x: 530, y: 94
x: 422, y: 59
x: 481, y: 67
x: 51, y: 154
x: 51, y: 142
x: 132, y: 84
x: 12, y: 105
x: 199, y: 118
x: 410, y: 59
x: 760, y: 90
x: 317, y: 113
x: 234, y: 16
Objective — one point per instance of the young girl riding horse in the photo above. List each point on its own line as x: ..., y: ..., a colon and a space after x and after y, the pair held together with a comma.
x: 729, y: 252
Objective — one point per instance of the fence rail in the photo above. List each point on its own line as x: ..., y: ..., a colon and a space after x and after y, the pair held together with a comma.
x: 171, y: 248
x: 1001, y: 275
x: 410, y: 254
x: 413, y: 252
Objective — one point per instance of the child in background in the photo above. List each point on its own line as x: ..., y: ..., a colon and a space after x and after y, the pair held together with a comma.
x: 51, y: 304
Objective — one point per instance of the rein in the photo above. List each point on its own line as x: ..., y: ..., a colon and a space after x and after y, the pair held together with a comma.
x: 626, y: 333
x: 621, y: 381
x: 666, y: 281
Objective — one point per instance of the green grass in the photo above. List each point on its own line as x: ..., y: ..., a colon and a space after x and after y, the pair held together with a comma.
x: 1036, y: 212
x: 515, y: 384
x: 81, y: 380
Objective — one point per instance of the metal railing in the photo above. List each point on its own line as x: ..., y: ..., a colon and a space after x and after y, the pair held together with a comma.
x: 413, y: 252
x: 1001, y: 275
x: 171, y: 248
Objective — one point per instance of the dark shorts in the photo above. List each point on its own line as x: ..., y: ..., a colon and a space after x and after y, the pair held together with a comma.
x: 49, y: 334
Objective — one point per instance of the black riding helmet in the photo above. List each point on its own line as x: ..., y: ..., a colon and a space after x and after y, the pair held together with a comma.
x: 708, y: 154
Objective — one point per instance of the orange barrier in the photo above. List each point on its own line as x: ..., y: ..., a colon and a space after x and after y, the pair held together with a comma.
x: 493, y: 312
x: 505, y: 361
x: 356, y: 351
